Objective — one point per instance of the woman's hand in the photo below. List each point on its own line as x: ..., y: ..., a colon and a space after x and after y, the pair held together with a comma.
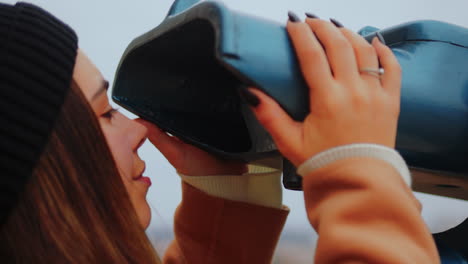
x: 190, y: 160
x: 347, y: 105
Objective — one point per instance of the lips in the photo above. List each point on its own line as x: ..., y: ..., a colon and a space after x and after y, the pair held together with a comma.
x: 145, y: 180
x: 139, y: 177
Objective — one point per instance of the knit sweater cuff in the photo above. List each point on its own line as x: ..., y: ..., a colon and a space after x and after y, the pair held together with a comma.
x: 259, y: 186
x: 380, y: 152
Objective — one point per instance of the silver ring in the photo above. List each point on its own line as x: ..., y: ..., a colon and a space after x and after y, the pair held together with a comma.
x: 374, y: 72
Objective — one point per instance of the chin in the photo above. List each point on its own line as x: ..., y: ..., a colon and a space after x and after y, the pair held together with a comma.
x: 144, y: 216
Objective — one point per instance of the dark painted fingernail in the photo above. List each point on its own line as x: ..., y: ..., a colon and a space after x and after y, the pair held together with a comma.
x: 249, y: 97
x: 380, y: 37
x: 310, y: 15
x: 293, y: 17
x: 336, y: 23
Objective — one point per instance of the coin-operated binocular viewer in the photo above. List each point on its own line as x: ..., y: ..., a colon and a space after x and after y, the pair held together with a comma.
x: 185, y: 76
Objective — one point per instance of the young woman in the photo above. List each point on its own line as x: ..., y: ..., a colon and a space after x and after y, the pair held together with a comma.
x: 63, y: 200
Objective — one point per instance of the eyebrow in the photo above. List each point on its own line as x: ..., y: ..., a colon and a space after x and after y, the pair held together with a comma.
x: 103, y: 88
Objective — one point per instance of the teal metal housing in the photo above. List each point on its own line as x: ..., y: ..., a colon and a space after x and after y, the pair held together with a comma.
x: 185, y: 75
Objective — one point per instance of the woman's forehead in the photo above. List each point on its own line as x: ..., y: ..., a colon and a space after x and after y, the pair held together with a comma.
x: 87, y: 75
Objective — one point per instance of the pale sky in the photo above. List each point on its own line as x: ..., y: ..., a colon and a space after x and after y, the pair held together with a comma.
x: 106, y: 27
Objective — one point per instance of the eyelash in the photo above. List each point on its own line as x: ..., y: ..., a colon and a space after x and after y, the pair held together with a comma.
x: 110, y: 114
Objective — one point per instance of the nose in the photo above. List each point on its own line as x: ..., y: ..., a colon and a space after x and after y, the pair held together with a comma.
x: 139, y: 134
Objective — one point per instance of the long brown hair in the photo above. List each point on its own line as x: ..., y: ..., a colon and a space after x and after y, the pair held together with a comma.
x: 75, y: 208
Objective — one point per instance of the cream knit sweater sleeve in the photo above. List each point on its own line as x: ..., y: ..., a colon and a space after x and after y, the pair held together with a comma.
x: 260, y: 186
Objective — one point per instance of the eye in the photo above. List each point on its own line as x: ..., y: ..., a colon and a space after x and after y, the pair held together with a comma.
x: 110, y: 114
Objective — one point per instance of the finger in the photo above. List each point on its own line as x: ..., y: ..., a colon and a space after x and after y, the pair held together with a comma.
x: 366, y: 56
x: 311, y: 57
x: 338, y: 49
x: 283, y: 129
x: 170, y: 147
x: 391, y: 79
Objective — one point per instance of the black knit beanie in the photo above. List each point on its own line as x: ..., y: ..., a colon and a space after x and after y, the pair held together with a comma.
x: 37, y: 57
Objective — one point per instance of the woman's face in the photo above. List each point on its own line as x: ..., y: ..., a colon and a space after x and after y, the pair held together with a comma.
x: 124, y: 136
